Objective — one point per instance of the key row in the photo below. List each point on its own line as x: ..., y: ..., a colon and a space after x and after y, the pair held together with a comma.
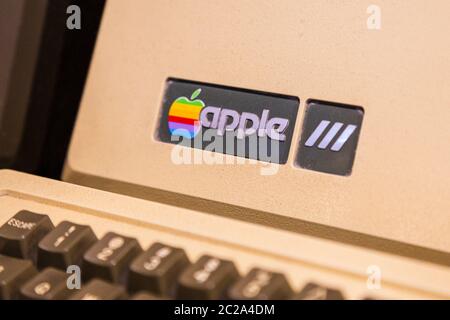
x: 117, y: 265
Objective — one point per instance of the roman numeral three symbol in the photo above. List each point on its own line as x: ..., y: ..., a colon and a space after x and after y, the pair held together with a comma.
x: 332, y: 132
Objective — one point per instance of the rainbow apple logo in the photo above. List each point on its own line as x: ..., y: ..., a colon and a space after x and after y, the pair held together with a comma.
x: 184, y: 116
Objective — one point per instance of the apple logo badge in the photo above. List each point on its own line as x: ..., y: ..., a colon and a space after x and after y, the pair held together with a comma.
x: 184, y: 116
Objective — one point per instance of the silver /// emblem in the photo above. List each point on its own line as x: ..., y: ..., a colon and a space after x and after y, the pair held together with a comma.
x: 330, y: 135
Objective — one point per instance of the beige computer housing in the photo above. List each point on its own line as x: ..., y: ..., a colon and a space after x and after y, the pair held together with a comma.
x: 400, y: 74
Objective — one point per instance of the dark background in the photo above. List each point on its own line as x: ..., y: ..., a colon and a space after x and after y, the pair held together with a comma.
x: 57, y: 85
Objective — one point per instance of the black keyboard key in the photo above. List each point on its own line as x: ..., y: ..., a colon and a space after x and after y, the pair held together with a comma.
x: 208, y: 278
x: 143, y: 295
x: 13, y: 274
x: 50, y: 284
x: 261, y: 285
x: 314, y: 291
x: 65, y: 245
x: 109, y: 258
x: 100, y: 290
x: 20, y: 235
x: 157, y: 269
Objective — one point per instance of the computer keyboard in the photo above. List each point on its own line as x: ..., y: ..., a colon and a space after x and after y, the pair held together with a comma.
x: 128, y: 248
x: 29, y: 242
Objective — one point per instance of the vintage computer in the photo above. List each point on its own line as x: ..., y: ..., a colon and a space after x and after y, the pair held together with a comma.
x: 355, y: 205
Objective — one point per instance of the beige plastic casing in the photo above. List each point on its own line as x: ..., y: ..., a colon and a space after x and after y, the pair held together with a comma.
x: 301, y: 258
x: 399, y: 187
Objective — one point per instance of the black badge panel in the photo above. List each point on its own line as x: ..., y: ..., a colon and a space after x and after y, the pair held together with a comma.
x: 329, y: 137
x: 244, y: 123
